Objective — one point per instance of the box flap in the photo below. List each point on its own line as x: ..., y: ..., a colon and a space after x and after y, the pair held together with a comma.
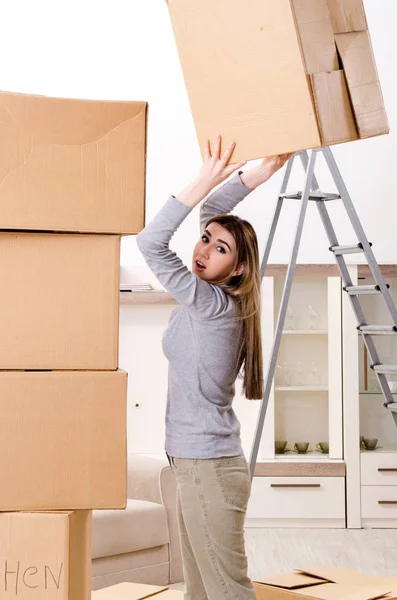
x: 344, y: 591
x: 313, y: 20
x: 128, y: 591
x: 341, y: 575
x: 291, y: 581
x: 355, y: 50
x: 333, y: 107
x: 347, y: 15
x: 358, y: 61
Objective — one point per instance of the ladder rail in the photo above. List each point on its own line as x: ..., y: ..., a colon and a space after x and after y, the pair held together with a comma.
x: 282, y: 311
x: 276, y: 217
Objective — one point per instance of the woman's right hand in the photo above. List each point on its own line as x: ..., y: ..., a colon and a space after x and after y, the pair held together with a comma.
x: 215, y: 170
x: 216, y: 167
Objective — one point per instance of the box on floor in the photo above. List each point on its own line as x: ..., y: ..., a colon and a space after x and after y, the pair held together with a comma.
x: 282, y: 76
x: 45, y: 556
x: 72, y: 165
x: 136, y: 591
x: 326, y: 583
x: 63, y: 440
x: 59, y: 306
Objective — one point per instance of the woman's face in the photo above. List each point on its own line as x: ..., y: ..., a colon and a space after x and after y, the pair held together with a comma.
x: 215, y: 254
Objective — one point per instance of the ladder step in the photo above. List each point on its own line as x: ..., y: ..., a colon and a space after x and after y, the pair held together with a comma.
x: 392, y: 406
x: 378, y: 329
x: 353, y: 249
x: 356, y: 290
x: 385, y: 369
x: 313, y: 196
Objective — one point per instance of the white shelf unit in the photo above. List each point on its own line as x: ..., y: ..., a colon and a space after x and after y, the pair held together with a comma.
x: 305, y: 411
x: 291, y: 489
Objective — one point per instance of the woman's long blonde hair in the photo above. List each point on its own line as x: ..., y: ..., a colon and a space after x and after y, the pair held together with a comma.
x: 245, y: 291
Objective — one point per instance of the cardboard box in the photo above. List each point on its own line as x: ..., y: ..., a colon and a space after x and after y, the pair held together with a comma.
x: 45, y: 556
x: 136, y: 591
x: 347, y: 15
x: 59, y: 306
x: 249, y: 74
x: 331, y: 97
x: 356, y: 53
x: 72, y: 165
x: 326, y: 583
x: 63, y: 440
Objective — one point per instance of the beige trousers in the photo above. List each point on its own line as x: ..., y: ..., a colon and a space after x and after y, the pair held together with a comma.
x: 212, y: 501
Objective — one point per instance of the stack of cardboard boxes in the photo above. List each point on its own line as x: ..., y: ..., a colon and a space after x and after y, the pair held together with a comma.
x: 279, y: 76
x: 72, y: 181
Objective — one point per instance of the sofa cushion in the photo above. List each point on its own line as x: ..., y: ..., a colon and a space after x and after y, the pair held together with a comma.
x: 139, y: 526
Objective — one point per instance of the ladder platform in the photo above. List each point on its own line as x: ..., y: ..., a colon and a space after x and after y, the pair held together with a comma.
x: 356, y: 290
x: 385, y: 369
x: 314, y: 196
x: 377, y: 329
x: 352, y: 249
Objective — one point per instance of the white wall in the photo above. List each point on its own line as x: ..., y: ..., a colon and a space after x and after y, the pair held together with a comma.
x: 125, y: 49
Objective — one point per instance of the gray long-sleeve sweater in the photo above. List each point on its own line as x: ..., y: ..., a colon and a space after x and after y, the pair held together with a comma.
x: 200, y: 341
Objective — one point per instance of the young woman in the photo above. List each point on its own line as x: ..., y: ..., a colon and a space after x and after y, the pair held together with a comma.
x: 212, y: 337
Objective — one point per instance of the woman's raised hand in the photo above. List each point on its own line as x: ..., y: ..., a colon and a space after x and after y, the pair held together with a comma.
x: 216, y: 167
x: 262, y: 172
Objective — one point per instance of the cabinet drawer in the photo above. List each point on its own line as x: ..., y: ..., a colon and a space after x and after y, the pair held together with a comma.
x: 379, y: 468
x: 297, y: 498
x: 379, y: 502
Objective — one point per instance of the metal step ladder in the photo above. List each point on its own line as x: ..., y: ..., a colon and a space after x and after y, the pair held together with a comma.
x: 311, y: 192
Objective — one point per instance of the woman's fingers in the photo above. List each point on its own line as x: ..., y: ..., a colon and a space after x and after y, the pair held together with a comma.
x: 216, y: 152
x: 227, y: 155
x: 207, y: 150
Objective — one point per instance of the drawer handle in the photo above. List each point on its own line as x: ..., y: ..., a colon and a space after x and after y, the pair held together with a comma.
x: 387, y: 501
x: 295, y: 485
x: 388, y: 470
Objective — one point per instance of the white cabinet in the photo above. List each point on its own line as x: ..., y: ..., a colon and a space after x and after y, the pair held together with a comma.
x: 297, y: 502
x: 305, y: 403
x: 379, y: 506
x: 372, y: 475
x: 379, y: 467
x: 379, y: 488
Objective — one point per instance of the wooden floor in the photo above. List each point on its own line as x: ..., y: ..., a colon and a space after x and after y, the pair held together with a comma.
x: 272, y: 551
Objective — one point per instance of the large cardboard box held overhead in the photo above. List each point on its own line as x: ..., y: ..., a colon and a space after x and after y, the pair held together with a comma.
x: 45, y: 556
x: 267, y: 74
x: 72, y: 165
x: 59, y: 301
x: 326, y: 583
x: 63, y: 440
